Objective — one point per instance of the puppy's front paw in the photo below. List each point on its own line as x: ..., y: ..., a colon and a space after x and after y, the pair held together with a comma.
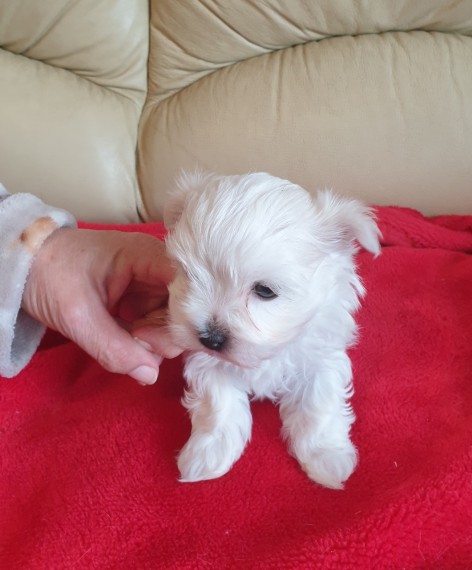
x: 330, y: 466
x: 206, y: 456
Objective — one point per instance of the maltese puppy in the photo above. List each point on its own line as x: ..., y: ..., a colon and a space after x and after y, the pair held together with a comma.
x: 263, y: 301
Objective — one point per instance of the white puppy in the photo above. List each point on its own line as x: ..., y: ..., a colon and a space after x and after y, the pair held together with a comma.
x: 263, y: 299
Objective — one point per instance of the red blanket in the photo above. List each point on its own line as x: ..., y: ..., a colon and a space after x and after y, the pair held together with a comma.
x: 88, y: 477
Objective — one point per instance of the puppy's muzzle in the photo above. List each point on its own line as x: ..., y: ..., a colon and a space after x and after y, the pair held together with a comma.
x: 213, y: 337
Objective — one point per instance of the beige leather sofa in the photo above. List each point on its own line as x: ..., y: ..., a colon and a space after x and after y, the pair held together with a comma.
x: 102, y: 102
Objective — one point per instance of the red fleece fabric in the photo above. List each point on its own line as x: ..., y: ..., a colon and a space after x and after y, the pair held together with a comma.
x: 88, y: 477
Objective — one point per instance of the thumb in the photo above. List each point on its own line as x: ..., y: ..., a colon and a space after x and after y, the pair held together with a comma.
x: 112, y: 346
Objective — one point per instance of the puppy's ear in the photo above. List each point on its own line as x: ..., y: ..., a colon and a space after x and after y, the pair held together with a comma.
x: 185, y: 183
x: 342, y: 220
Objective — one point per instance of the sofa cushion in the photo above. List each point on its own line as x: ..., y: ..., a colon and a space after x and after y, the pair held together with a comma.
x: 73, y: 86
x: 323, y: 93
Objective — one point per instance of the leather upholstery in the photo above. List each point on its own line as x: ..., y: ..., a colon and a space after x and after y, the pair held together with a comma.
x: 371, y: 98
x: 73, y: 84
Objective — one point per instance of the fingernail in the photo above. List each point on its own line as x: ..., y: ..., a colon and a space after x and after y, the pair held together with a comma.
x: 145, y: 375
x: 143, y: 343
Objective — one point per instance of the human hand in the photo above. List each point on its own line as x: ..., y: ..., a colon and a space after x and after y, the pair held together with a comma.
x: 91, y: 285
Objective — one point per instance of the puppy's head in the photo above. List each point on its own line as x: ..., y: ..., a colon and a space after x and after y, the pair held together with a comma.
x: 249, y: 252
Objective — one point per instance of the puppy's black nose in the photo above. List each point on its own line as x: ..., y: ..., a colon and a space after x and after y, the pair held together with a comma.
x: 213, y: 337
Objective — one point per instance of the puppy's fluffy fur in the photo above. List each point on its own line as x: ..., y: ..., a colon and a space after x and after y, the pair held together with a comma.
x: 263, y: 299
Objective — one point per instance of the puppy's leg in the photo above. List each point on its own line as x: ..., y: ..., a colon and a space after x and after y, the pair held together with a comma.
x: 221, y: 426
x: 317, y: 419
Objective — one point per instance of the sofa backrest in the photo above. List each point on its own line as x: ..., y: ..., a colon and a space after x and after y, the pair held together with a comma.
x: 373, y: 99
x: 73, y: 80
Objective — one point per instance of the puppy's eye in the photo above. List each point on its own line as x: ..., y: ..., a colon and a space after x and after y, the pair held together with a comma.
x: 263, y: 291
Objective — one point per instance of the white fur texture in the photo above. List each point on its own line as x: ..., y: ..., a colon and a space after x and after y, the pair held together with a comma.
x: 227, y: 234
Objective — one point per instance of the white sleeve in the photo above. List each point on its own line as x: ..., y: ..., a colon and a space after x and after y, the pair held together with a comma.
x: 25, y: 222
